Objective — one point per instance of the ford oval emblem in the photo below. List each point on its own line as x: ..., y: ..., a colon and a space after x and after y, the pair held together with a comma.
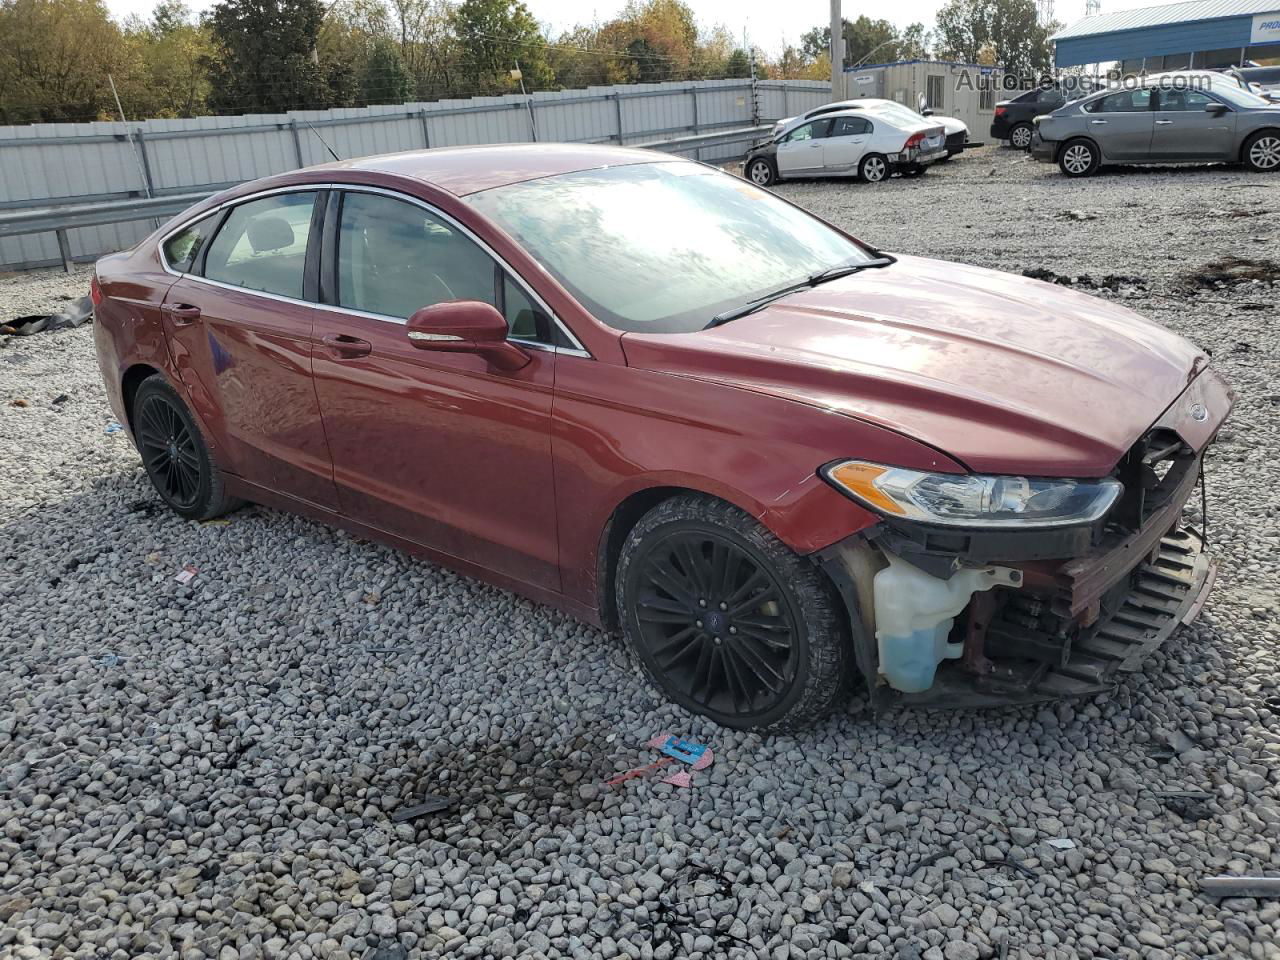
x: 1199, y: 412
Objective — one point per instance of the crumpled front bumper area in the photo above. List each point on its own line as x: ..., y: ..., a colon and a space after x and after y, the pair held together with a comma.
x: 1163, y: 592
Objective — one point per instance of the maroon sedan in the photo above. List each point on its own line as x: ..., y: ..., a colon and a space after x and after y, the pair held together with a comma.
x: 667, y: 401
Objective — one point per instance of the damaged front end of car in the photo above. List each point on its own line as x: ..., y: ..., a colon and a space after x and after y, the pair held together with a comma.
x: 986, y: 591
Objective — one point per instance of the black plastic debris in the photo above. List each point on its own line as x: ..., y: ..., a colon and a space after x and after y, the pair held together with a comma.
x: 1187, y: 804
x: 26, y: 326
x: 430, y: 804
x: 1241, y: 886
x: 73, y: 315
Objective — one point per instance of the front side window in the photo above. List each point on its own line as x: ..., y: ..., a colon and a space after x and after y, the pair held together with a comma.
x: 181, y: 250
x: 662, y: 247
x: 394, y: 258
x: 1184, y: 101
x: 1239, y: 97
x: 525, y: 320
x: 263, y: 245
x: 809, y: 131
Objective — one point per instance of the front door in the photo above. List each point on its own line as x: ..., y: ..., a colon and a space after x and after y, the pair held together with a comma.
x: 1186, y: 130
x: 1122, y: 124
x: 842, y: 150
x: 441, y: 448
x: 800, y: 152
x: 239, y: 327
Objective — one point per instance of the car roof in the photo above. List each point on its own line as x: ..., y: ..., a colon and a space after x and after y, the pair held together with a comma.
x: 467, y: 170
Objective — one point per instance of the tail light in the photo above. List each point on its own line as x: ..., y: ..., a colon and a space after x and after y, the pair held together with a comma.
x: 95, y: 291
x: 914, y: 140
x: 1000, y: 111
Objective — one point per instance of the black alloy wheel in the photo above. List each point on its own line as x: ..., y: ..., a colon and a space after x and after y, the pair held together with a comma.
x: 716, y: 623
x: 175, y: 454
x: 727, y: 620
x: 168, y: 452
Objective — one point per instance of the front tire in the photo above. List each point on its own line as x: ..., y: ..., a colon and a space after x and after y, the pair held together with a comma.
x: 727, y: 620
x: 175, y: 454
x: 873, y: 168
x: 761, y: 172
x: 1261, y: 152
x: 1020, y: 136
x: 1079, y: 158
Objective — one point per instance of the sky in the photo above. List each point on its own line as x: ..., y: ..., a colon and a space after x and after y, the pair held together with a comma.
x: 769, y: 24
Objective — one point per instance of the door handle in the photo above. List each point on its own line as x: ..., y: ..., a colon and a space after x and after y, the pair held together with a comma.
x: 344, y: 347
x: 1097, y: 121
x: 180, y: 313
x: 1163, y: 123
x: 814, y: 146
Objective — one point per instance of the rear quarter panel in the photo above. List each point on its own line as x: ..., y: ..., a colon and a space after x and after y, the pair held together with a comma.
x: 127, y: 329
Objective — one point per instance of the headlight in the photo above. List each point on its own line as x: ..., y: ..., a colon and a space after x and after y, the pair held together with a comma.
x: 969, y: 500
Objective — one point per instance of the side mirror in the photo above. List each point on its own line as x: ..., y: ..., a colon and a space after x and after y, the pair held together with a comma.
x: 926, y: 112
x: 465, y: 326
x: 1217, y: 109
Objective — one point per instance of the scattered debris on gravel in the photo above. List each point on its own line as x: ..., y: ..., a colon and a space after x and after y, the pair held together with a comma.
x: 1112, y: 281
x: 214, y: 768
x: 1233, y: 271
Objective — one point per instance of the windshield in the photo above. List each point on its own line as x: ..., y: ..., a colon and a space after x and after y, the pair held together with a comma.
x: 664, y: 247
x: 1237, y: 96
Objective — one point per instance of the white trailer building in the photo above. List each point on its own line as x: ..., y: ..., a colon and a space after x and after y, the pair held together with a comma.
x: 966, y: 91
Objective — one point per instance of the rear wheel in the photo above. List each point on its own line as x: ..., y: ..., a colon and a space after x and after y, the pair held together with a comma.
x: 727, y: 620
x: 873, y: 168
x: 1079, y: 158
x: 175, y: 454
x: 760, y: 172
x: 1020, y: 136
x: 1262, y: 151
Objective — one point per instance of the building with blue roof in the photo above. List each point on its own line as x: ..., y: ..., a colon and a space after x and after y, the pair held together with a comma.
x: 1174, y: 36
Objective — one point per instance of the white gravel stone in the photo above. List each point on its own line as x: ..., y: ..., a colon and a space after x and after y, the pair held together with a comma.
x: 208, y: 770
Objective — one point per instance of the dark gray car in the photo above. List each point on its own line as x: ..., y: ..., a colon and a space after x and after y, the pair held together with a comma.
x: 1194, y: 119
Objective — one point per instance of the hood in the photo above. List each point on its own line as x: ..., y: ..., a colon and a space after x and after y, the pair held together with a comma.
x: 1003, y: 373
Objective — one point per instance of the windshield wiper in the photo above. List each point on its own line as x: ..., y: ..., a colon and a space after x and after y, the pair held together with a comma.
x: 821, y: 276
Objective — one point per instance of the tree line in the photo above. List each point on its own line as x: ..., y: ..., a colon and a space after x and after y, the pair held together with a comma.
x: 63, y: 60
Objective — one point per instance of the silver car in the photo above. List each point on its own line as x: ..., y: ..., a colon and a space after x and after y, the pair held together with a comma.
x: 1168, y: 119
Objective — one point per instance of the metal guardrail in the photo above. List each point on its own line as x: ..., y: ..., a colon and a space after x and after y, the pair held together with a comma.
x: 58, y: 219
x: 720, y: 139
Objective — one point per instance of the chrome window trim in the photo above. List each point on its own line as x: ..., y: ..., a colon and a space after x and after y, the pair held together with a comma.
x: 576, y: 350
x: 235, y: 201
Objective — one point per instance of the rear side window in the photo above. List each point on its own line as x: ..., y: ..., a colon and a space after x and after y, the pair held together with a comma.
x: 850, y: 126
x: 1130, y: 101
x: 181, y: 250
x: 263, y: 245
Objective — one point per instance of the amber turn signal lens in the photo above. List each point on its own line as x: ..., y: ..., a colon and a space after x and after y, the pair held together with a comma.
x: 859, y: 479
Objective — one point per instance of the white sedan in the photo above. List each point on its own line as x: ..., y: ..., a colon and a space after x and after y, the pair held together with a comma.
x: 867, y: 144
x: 957, y: 130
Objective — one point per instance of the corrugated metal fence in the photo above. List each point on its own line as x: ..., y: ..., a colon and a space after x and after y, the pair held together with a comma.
x: 53, y: 163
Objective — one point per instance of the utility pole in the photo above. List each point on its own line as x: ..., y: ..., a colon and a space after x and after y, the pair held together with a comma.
x: 837, y: 52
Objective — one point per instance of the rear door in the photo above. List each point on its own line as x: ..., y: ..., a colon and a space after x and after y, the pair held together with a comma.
x: 239, y: 325
x: 801, y: 151
x: 842, y: 150
x: 1186, y: 130
x: 1122, y: 124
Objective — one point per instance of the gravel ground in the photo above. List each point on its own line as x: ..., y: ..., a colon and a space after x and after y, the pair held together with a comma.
x: 208, y: 769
